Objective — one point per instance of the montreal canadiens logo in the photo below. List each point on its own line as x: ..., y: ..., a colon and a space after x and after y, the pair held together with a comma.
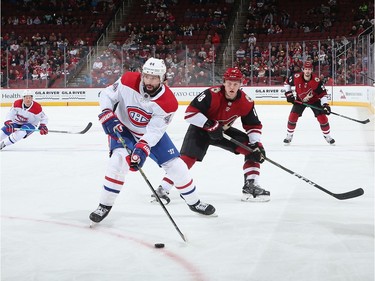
x: 138, y: 117
x: 21, y: 119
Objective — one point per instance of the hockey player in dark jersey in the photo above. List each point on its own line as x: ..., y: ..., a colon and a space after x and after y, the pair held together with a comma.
x: 210, y: 114
x: 310, y: 90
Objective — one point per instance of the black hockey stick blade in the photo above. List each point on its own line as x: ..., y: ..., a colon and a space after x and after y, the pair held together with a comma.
x: 365, y: 121
x: 89, y: 125
x: 334, y: 113
x: 340, y: 196
x: 349, y: 118
x: 348, y: 195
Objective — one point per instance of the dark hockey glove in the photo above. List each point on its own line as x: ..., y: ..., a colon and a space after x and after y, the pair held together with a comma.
x: 290, y: 97
x: 43, y: 130
x: 9, y: 126
x: 214, y: 129
x: 327, y: 109
x: 258, y: 154
x: 139, y: 155
x: 110, y: 123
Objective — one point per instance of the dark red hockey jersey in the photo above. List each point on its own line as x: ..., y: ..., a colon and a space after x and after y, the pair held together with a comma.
x: 213, y: 104
x: 307, y: 91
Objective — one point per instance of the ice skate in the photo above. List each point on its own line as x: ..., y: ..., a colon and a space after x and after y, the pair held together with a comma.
x: 329, y: 139
x: 100, y: 213
x: 2, y: 145
x: 288, y: 139
x: 163, y: 195
x: 203, y: 209
x: 252, y: 192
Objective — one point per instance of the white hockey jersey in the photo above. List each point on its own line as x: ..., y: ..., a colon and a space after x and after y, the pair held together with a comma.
x: 20, y: 115
x: 146, y: 117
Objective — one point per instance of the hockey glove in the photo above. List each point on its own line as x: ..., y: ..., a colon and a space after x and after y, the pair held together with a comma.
x: 290, y: 97
x: 43, y: 130
x: 258, y: 154
x: 9, y: 126
x: 110, y: 123
x: 214, y: 129
x: 139, y: 155
x: 327, y: 109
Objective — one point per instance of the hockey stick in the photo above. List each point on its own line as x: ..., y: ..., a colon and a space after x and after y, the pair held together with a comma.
x: 89, y: 125
x: 363, y: 74
x: 321, y: 109
x: 341, y: 196
x: 152, y: 189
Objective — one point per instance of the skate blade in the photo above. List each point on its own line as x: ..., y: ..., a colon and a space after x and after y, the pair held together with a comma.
x: 155, y: 201
x: 260, y: 198
x: 93, y: 224
x: 214, y: 215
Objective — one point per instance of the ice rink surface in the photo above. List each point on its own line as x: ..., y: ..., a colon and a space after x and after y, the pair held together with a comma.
x: 50, y: 184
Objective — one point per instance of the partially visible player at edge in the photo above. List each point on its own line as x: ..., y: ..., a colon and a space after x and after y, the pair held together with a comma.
x: 25, y: 114
x: 310, y: 90
x: 210, y: 114
x: 140, y: 107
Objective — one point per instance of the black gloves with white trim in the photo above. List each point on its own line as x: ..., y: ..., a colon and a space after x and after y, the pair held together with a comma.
x: 214, y: 129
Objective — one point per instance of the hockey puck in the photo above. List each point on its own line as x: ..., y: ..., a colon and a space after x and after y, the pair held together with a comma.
x: 159, y: 245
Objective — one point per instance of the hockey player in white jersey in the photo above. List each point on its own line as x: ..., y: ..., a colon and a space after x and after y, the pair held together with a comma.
x: 139, y: 106
x: 22, y: 119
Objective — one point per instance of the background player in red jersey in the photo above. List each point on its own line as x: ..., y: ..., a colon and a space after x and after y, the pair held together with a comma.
x: 210, y: 114
x: 309, y: 90
x: 25, y: 114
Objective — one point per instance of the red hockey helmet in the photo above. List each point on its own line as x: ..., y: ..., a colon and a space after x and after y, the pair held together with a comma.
x: 308, y: 64
x: 233, y: 74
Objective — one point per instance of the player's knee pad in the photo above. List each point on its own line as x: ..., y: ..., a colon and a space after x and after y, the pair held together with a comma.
x: 322, y: 119
x: 117, y: 163
x: 177, y: 171
x: 293, y: 117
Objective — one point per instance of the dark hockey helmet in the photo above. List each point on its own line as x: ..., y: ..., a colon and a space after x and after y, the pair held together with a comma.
x: 233, y: 74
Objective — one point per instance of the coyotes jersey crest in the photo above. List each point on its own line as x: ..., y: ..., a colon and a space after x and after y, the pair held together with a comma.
x: 307, y: 91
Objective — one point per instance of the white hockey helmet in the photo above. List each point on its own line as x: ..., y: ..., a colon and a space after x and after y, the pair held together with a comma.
x: 155, y: 66
x: 27, y: 93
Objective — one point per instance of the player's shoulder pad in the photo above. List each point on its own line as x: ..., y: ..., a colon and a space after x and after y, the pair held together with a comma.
x: 247, y: 97
x: 167, y: 101
x: 207, y: 94
x: 297, y: 75
x: 131, y: 79
x: 315, y: 79
x: 36, y: 108
x: 215, y: 89
x: 18, y: 103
